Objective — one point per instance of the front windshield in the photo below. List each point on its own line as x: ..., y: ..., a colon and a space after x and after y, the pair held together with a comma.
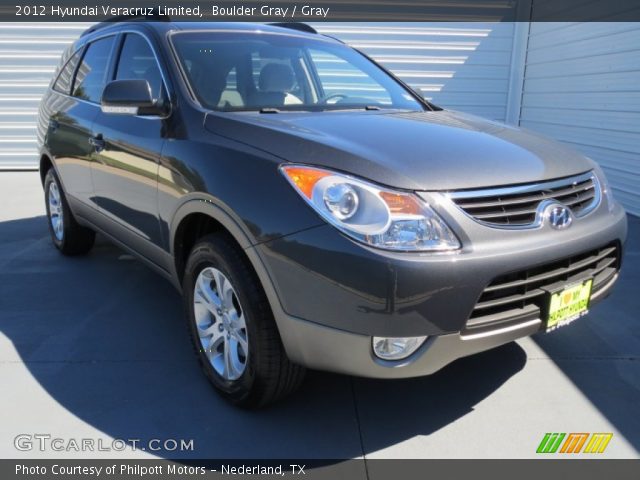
x: 261, y: 70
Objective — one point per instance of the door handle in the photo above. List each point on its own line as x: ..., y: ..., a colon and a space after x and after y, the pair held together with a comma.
x: 97, y: 143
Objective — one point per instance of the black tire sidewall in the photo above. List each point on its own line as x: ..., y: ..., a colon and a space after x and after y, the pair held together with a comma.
x: 213, y: 253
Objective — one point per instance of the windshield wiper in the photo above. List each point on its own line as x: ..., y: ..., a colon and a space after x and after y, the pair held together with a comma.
x: 366, y: 107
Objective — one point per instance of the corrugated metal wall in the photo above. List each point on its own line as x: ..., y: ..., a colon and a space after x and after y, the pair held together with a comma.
x: 582, y: 86
x: 29, y: 54
x: 464, y: 66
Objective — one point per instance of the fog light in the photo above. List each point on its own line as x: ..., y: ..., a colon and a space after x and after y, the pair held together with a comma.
x: 389, y: 348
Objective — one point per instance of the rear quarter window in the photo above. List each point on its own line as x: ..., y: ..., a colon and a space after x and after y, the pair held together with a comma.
x: 65, y: 78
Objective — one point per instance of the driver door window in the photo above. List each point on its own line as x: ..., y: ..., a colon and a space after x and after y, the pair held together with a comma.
x: 137, y: 61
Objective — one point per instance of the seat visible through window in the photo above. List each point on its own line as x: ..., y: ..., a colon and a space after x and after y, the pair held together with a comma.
x: 274, y: 85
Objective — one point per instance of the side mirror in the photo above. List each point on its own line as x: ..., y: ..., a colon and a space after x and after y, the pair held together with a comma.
x: 129, y: 97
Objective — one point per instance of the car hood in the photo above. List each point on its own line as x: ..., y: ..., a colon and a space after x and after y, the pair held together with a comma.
x: 440, y: 150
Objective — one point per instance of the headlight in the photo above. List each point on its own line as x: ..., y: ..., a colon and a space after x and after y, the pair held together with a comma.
x: 373, y: 215
x: 606, y: 188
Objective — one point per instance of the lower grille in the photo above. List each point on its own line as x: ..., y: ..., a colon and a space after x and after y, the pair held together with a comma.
x: 519, y: 296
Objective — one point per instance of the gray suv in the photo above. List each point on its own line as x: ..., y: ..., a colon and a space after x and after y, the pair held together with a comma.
x: 313, y: 210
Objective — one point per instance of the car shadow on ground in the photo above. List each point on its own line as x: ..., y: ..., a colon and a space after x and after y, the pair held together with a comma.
x: 104, y: 336
x: 600, y: 353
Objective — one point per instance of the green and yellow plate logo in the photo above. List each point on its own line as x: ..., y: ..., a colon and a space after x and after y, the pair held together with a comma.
x: 574, y: 442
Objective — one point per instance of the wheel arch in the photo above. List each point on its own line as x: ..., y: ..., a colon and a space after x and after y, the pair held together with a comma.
x: 204, y: 209
x: 46, y: 163
x: 199, y: 216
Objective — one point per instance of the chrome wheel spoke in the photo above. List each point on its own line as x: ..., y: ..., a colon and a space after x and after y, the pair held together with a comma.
x: 225, y: 290
x: 229, y: 361
x: 240, y: 337
x: 205, y: 295
x: 213, y: 353
x: 207, y: 331
x: 236, y: 321
x: 212, y: 348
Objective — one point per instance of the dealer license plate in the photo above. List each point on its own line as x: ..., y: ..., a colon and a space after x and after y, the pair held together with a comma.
x: 568, y: 304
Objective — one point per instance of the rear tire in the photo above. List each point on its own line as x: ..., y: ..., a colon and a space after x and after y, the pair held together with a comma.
x: 225, y: 302
x: 67, y: 235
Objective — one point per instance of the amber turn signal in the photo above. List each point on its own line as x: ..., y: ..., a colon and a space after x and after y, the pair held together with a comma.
x: 304, y: 178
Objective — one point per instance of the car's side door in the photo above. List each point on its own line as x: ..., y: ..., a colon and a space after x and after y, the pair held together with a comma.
x: 71, y: 109
x: 127, y: 154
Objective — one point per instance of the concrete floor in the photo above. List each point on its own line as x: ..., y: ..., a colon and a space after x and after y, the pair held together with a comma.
x: 95, y: 347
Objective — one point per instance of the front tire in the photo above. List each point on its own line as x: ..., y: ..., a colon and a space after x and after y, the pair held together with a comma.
x: 67, y: 235
x: 232, y: 326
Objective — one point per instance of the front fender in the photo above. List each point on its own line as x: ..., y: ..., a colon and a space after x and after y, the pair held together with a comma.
x: 210, y: 206
x: 199, y: 203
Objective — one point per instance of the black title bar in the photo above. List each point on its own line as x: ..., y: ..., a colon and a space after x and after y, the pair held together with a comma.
x: 325, y: 10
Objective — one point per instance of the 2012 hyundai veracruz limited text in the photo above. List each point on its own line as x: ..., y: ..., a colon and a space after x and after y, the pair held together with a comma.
x: 313, y: 210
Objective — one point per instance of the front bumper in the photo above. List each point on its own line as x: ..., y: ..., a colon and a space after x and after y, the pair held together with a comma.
x: 323, y: 348
x: 334, y: 294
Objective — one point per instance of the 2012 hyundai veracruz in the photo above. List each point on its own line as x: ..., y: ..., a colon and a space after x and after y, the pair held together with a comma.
x: 314, y: 210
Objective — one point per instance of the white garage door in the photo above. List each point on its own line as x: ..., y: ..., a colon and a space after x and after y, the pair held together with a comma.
x: 461, y: 66
x: 582, y: 86
x: 29, y: 54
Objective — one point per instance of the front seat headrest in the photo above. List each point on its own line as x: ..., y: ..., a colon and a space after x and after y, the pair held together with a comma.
x: 276, y: 77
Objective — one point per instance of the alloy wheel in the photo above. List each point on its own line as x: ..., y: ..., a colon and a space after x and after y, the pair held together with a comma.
x: 56, y: 214
x: 220, y: 323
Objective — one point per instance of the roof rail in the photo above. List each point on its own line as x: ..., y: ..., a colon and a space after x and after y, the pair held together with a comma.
x: 334, y: 38
x: 154, y: 16
x: 301, y: 27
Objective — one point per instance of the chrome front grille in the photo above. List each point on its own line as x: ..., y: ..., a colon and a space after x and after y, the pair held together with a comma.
x: 521, y: 296
x: 521, y: 206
